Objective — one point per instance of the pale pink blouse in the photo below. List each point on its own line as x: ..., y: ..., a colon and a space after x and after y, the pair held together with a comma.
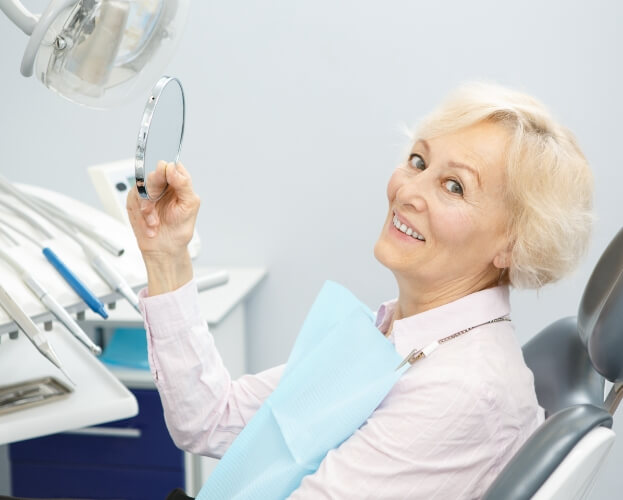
x: 444, y: 431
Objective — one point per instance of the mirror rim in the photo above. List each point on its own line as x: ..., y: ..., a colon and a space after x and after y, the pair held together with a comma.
x: 143, y: 134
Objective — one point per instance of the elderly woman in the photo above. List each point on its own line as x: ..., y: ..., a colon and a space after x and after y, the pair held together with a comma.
x: 492, y: 193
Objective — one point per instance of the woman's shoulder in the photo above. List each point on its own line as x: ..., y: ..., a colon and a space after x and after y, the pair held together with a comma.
x: 487, y: 362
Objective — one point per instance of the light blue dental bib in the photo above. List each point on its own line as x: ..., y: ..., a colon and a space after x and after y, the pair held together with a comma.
x: 340, y: 369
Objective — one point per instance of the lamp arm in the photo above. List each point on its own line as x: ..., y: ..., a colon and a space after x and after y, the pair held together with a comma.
x: 52, y: 11
x: 21, y: 17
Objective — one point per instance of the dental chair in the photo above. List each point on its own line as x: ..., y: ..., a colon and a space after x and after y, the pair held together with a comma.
x: 571, y: 359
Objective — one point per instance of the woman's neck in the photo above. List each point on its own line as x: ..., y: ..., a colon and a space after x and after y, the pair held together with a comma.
x: 415, y: 298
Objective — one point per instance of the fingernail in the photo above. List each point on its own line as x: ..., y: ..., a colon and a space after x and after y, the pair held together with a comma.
x: 150, y: 233
x: 151, y: 219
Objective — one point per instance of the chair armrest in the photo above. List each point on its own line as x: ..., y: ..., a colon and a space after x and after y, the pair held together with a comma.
x: 543, y: 452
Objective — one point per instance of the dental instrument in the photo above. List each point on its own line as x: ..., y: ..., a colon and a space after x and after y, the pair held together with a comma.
x: 8, y: 237
x: 66, y: 273
x: 31, y: 220
x: 81, y: 226
x: 36, y: 336
x: 50, y: 302
x: 31, y: 393
x: 46, y: 210
x: 105, y: 271
x: 99, y: 53
x: 110, y: 275
x: 212, y: 280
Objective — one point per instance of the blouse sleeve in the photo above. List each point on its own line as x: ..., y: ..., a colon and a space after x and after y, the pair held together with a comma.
x: 203, y: 408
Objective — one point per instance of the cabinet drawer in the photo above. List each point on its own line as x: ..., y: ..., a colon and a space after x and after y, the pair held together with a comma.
x: 129, y: 483
x: 141, y: 441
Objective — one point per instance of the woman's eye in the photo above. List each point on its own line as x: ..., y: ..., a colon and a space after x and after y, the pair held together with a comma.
x: 416, y: 161
x: 453, y: 186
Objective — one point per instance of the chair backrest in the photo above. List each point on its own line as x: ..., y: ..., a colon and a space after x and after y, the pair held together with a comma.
x: 600, y: 315
x: 571, y: 357
x: 563, y: 373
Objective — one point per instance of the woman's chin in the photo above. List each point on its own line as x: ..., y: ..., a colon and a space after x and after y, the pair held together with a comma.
x: 378, y: 251
x: 385, y: 254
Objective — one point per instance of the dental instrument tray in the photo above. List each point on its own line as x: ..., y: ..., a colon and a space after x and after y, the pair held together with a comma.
x: 31, y: 393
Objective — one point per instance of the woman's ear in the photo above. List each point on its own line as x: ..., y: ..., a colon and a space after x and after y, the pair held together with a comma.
x: 502, y: 260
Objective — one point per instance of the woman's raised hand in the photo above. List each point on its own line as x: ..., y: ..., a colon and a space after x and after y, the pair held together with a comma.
x: 164, y: 228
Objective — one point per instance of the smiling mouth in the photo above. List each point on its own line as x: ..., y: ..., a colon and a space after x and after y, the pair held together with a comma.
x: 406, y: 229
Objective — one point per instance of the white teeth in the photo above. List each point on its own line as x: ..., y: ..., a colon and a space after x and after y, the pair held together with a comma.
x: 406, y: 229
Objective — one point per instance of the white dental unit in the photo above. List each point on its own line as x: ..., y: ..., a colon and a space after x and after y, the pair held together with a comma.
x: 97, y: 395
x: 97, y: 53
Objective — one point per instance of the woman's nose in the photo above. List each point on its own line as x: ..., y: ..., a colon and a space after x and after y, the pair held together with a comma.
x: 414, y: 192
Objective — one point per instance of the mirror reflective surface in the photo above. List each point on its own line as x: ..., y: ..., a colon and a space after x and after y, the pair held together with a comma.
x: 160, y: 136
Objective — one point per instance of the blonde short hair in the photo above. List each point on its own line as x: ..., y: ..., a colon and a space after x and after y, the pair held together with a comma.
x: 549, y: 185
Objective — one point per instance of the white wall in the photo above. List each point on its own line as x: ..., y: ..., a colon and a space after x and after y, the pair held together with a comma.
x: 294, y: 126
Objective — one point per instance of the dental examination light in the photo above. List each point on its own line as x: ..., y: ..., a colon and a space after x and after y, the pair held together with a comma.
x: 99, y: 53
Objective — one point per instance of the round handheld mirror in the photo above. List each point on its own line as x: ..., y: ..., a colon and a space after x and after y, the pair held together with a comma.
x: 160, y: 136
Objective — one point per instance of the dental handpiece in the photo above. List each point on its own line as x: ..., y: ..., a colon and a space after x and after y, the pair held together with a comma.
x: 60, y: 313
x: 106, y: 272
x: 47, y: 210
x: 111, y: 276
x: 31, y: 331
x: 45, y: 205
x: 25, y: 216
x: 51, y: 303
x: 67, y: 274
x: 78, y: 286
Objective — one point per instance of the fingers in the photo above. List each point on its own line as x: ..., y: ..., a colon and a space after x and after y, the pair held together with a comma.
x: 179, y: 203
x: 156, y: 181
x: 142, y: 214
x: 179, y: 179
x: 150, y: 216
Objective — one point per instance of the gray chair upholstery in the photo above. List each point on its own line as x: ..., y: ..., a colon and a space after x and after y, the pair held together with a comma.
x: 570, y: 360
x: 600, y: 315
x: 545, y: 450
x: 563, y: 373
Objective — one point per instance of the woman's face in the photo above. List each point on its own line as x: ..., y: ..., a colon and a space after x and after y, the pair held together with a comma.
x: 447, y: 201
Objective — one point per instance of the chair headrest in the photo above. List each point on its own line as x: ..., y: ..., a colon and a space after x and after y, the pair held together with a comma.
x: 600, y: 315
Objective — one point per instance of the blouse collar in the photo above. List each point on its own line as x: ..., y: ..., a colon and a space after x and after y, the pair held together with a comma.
x: 421, y: 329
